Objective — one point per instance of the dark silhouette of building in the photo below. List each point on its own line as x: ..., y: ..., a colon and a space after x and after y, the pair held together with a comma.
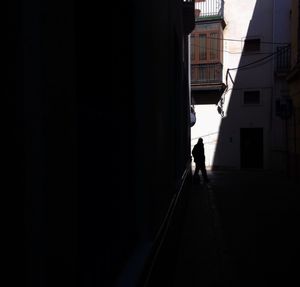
x: 103, y: 141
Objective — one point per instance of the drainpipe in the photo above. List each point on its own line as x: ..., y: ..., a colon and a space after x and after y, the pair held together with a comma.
x: 274, y: 65
x: 287, y: 147
x: 273, y: 90
x: 189, y: 68
x: 295, y: 142
x: 189, y: 83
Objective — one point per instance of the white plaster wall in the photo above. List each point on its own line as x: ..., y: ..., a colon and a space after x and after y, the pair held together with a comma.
x: 248, y: 18
x: 243, y: 21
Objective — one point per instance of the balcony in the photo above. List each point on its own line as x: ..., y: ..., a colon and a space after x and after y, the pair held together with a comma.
x: 209, y: 9
x: 206, y: 73
x: 283, y: 60
x: 206, y: 83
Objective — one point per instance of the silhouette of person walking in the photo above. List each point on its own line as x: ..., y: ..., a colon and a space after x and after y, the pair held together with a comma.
x: 199, y: 159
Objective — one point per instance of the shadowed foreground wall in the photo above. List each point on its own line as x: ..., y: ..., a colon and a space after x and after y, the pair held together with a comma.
x: 100, y: 161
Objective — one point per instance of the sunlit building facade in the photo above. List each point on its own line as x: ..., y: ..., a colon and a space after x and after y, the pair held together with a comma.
x: 245, y: 128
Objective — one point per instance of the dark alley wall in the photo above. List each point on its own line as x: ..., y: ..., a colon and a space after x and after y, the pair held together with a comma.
x: 157, y: 133
x: 42, y: 87
x: 103, y: 141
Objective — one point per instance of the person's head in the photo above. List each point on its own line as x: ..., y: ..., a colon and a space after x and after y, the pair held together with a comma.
x: 200, y: 140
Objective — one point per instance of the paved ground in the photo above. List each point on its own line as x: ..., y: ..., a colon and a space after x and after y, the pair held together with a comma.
x: 241, y: 230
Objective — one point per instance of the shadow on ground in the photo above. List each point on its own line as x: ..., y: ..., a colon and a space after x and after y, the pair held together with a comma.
x: 240, y: 230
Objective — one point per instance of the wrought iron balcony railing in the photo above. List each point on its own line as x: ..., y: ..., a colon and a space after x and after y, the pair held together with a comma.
x: 206, y: 73
x: 209, y: 8
x: 283, y: 59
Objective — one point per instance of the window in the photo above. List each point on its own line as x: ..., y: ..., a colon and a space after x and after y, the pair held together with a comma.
x: 284, y: 108
x: 206, y: 53
x: 206, y: 48
x: 214, y: 46
x: 251, y: 45
x: 252, y: 97
x: 192, y: 47
x: 202, y: 48
x: 207, y: 43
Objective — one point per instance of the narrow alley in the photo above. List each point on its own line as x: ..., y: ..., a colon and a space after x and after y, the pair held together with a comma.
x: 103, y: 141
x: 241, y: 230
